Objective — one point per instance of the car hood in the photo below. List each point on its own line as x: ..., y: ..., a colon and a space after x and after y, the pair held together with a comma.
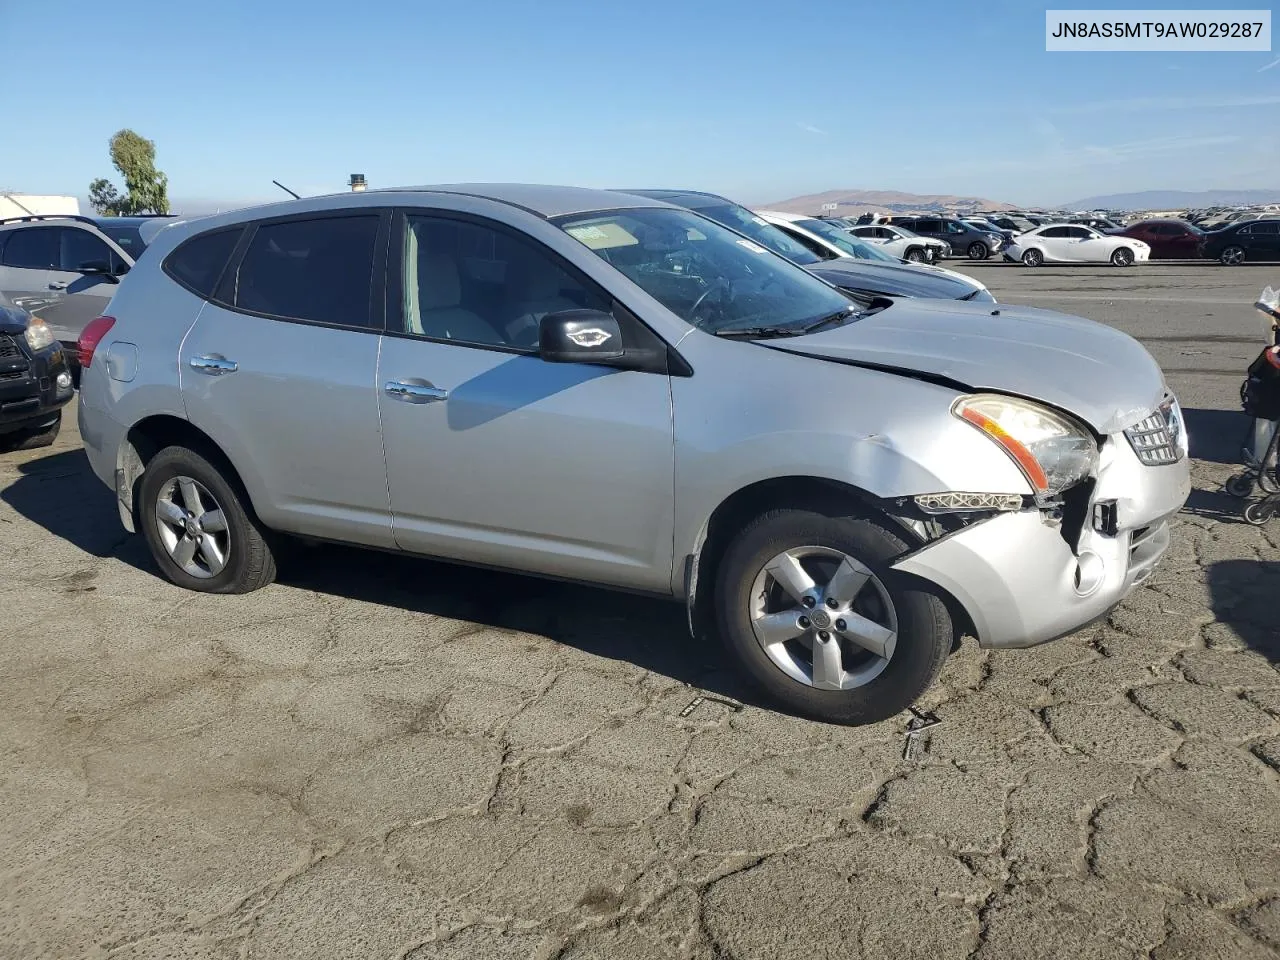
x: 1103, y: 376
x: 892, y: 279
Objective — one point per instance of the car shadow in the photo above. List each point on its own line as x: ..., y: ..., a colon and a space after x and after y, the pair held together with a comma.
x: 60, y: 493
x: 1244, y: 597
x: 1217, y: 436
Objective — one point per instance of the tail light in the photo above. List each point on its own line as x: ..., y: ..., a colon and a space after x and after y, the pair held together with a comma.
x: 92, y: 335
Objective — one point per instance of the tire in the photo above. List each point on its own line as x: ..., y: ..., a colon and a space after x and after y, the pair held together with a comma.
x: 1241, y: 485
x: 31, y: 439
x: 877, y: 687
x: 1033, y: 258
x: 238, y: 539
x: 978, y: 250
x: 1257, y: 513
x: 916, y: 255
x: 1233, y: 256
x: 1122, y: 257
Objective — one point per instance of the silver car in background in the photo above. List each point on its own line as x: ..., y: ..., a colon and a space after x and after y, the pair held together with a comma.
x: 610, y: 389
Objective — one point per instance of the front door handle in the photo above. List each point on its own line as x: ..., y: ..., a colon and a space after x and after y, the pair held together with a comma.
x: 414, y: 391
x: 214, y: 365
x: 57, y: 284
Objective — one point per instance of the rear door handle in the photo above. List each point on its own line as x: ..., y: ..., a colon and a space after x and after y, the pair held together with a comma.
x: 57, y: 285
x: 214, y: 365
x: 414, y: 391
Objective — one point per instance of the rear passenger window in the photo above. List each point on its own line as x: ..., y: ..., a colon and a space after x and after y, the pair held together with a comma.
x: 319, y: 270
x: 198, y: 263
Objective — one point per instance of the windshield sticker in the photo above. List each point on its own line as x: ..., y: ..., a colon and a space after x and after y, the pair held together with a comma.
x: 602, y: 236
x: 753, y: 247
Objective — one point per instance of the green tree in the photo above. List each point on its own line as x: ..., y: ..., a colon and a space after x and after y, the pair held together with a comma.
x: 146, y: 188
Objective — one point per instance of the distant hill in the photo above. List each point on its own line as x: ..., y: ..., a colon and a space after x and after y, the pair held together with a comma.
x: 1174, y: 199
x: 882, y: 201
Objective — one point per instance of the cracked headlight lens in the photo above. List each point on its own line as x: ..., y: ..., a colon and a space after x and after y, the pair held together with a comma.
x: 1053, y: 452
x: 38, y: 334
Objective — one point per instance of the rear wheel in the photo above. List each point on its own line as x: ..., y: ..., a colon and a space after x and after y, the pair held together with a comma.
x: 810, y: 609
x: 31, y: 439
x: 1122, y: 257
x: 1033, y: 257
x: 978, y: 250
x: 1233, y: 256
x: 199, y: 527
x: 1258, y: 513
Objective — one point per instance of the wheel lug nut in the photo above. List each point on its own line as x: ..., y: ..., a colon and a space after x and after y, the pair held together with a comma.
x: 840, y: 625
x: 832, y: 603
x: 823, y: 635
x: 808, y: 602
x: 803, y: 623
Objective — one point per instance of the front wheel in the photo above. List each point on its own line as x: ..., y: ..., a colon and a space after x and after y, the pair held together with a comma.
x: 1233, y: 256
x: 915, y: 255
x: 978, y: 250
x: 1033, y: 258
x: 199, y: 526
x: 1258, y: 513
x: 810, y: 609
x: 1122, y: 257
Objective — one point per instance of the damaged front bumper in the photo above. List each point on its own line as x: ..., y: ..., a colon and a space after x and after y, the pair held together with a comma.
x: 1028, y: 577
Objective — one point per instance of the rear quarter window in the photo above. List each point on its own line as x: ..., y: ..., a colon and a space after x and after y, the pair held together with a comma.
x: 198, y: 263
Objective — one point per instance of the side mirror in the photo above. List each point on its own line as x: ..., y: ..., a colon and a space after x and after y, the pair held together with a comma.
x: 579, y: 336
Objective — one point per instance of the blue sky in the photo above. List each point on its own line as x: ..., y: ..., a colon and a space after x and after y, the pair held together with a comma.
x: 759, y: 101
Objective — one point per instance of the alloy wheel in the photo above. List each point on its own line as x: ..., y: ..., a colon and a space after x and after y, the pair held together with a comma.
x: 1233, y: 256
x: 1123, y: 257
x: 823, y: 618
x: 192, y: 527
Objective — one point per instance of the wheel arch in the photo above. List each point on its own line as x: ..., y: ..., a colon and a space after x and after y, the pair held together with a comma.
x: 734, y: 511
x: 148, y: 437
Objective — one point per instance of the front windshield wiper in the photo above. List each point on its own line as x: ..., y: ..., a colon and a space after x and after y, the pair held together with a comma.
x: 791, y: 331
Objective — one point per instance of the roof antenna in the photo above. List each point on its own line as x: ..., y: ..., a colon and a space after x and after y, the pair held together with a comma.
x: 286, y: 189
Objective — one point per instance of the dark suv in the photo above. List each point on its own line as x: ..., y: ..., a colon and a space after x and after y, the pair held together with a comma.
x: 34, y: 381
x: 974, y: 243
x: 64, y: 269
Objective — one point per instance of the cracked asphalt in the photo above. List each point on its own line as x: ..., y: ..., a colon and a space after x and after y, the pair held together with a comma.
x: 382, y: 757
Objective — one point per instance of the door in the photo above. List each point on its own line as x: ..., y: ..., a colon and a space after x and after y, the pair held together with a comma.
x: 80, y: 296
x: 1265, y: 243
x: 1090, y: 246
x: 280, y: 371
x: 1055, y: 243
x: 26, y: 260
x: 497, y: 457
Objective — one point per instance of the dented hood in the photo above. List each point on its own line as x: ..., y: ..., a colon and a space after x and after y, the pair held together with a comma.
x: 1105, y: 377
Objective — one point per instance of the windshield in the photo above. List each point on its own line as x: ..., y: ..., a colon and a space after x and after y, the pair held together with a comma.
x: 126, y: 237
x: 709, y: 276
x: 761, y: 231
x: 845, y: 241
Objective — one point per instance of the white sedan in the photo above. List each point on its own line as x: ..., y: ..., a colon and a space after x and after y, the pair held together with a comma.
x: 901, y: 243
x: 1072, y: 243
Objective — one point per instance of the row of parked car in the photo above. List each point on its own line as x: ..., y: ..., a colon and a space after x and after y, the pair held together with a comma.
x: 1253, y: 238
x: 658, y: 391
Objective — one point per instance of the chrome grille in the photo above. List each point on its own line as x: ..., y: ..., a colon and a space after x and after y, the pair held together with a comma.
x: 1160, y: 438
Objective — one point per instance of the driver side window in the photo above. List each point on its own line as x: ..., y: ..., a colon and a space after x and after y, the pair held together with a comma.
x: 79, y: 247
x: 476, y: 284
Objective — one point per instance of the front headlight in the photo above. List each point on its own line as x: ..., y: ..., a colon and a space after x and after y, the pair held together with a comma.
x: 1053, y: 452
x: 38, y: 335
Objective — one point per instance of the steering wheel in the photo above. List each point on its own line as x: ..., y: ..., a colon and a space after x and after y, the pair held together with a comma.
x: 718, y: 286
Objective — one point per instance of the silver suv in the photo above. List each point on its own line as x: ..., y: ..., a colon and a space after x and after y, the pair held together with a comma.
x: 611, y: 389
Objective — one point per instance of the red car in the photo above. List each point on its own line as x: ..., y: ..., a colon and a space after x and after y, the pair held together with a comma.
x: 1168, y: 239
